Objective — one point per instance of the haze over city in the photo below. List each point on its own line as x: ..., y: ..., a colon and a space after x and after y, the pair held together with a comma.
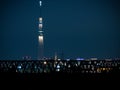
x: 81, y: 28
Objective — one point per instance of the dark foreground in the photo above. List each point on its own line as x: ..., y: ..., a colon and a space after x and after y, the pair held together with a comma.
x: 58, y: 80
x: 58, y: 76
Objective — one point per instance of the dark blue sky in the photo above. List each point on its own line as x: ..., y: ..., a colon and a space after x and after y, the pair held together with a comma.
x: 76, y: 28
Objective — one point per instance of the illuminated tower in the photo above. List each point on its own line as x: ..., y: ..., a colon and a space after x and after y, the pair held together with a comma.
x: 40, y: 36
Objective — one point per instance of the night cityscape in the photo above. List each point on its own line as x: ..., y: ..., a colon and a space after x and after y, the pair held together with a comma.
x: 50, y: 38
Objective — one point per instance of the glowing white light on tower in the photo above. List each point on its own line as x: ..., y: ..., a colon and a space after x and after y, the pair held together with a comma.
x: 41, y: 39
x: 40, y: 32
x: 40, y: 20
x: 40, y: 25
x: 40, y: 3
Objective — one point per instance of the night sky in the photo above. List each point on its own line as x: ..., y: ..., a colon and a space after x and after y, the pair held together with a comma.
x: 72, y: 28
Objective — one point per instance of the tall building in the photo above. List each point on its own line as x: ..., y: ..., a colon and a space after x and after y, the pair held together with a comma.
x: 40, y: 36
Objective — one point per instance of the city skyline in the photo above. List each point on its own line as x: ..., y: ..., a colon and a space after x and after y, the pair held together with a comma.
x: 83, y: 28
